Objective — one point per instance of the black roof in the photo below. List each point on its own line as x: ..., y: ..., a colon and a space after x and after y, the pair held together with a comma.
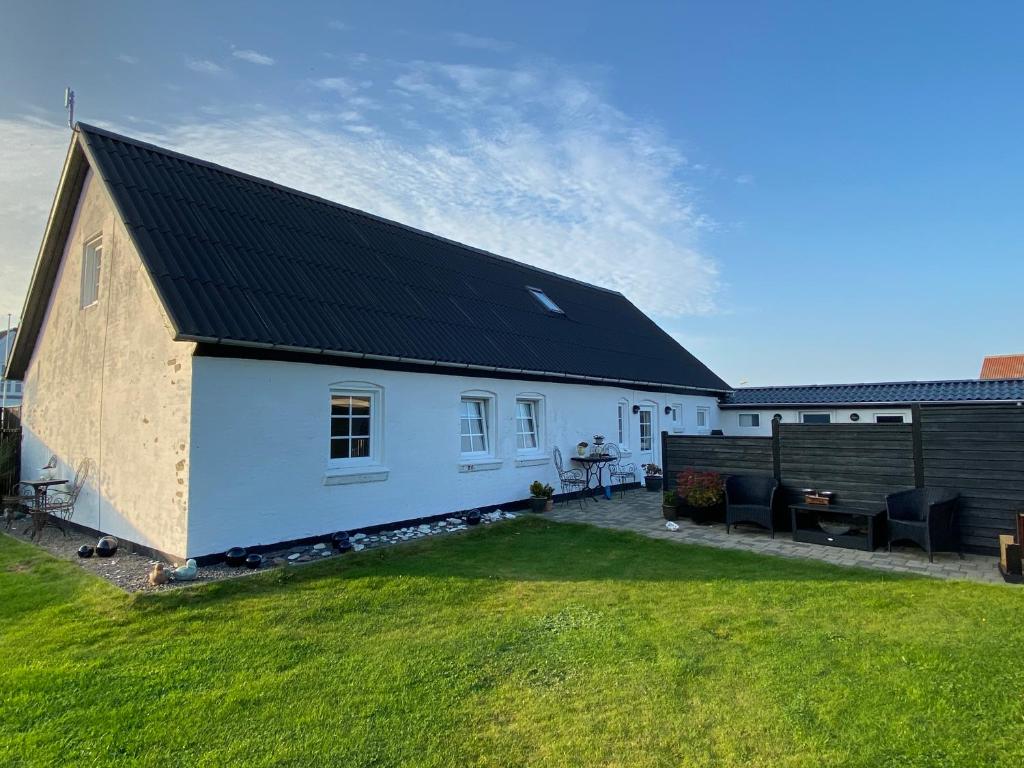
x: 892, y: 393
x: 241, y: 260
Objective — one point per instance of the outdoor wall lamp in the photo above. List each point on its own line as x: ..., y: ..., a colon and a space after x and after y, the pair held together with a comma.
x: 636, y: 409
x: 668, y: 409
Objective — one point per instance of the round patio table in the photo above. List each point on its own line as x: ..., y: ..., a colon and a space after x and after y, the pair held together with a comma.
x: 593, y: 466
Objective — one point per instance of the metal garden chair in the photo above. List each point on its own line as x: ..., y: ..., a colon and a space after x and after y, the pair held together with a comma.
x: 570, y: 479
x: 617, y: 471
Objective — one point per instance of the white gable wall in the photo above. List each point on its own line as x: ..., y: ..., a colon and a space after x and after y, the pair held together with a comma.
x: 260, y: 445
x: 108, y: 383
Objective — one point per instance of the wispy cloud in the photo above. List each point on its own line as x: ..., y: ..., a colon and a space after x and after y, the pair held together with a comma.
x: 124, y: 58
x: 340, y: 85
x: 31, y: 155
x: 337, y: 26
x: 204, y: 66
x: 253, y: 57
x: 528, y: 162
x: 744, y: 179
x: 466, y: 40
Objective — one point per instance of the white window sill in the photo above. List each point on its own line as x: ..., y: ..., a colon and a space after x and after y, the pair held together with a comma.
x: 482, y: 464
x: 532, y: 460
x: 371, y: 473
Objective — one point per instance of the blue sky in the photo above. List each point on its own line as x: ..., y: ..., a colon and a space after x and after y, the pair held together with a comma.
x: 798, y: 192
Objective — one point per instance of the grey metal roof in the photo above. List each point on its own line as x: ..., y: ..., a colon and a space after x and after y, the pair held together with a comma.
x: 241, y: 260
x: 893, y: 392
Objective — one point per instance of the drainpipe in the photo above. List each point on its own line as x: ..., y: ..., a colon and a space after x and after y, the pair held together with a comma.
x: 3, y: 374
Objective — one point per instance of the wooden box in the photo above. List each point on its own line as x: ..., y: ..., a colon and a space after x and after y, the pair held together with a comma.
x: 1009, y: 555
x: 815, y: 499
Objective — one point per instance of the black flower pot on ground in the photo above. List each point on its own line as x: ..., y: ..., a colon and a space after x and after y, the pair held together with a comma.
x: 253, y: 561
x: 538, y: 504
x: 106, y: 546
x: 705, y: 515
x: 235, y: 557
x: 669, y: 512
x: 653, y: 482
x: 85, y: 551
x: 473, y: 518
x: 341, y: 541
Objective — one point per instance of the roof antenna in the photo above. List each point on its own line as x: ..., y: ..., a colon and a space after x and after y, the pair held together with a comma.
x: 69, y: 105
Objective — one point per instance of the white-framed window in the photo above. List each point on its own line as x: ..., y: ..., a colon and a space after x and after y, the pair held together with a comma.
x: 527, y: 426
x: 703, y: 414
x: 646, y: 429
x: 623, y: 424
x: 476, y: 424
x: 356, y: 432
x: 888, y: 418
x: 92, y: 259
x: 815, y: 417
x: 750, y: 419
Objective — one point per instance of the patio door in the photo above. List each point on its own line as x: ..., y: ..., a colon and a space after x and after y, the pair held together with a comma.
x: 646, y: 444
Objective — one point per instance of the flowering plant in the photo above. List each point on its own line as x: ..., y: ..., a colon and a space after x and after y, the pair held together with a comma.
x: 700, y: 489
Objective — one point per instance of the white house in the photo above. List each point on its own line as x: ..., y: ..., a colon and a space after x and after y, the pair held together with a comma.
x: 750, y: 410
x: 248, y: 364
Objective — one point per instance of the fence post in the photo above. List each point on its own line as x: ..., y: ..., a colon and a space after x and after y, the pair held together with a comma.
x: 915, y: 431
x: 776, y: 450
x: 664, y: 460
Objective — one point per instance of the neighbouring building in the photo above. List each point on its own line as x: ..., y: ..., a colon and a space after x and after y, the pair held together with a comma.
x: 1002, y: 367
x: 248, y: 364
x: 750, y: 410
x: 10, y: 389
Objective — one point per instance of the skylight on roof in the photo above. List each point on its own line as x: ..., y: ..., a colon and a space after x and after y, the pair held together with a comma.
x: 545, y: 300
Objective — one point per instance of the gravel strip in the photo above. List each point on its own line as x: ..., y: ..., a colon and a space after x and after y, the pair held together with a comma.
x: 130, y: 571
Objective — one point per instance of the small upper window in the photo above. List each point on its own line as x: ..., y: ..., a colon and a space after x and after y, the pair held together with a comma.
x: 888, y: 418
x: 545, y: 300
x: 750, y: 419
x: 92, y: 258
x: 816, y: 418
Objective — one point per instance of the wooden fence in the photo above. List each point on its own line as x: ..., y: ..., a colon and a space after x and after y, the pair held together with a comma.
x: 975, y: 449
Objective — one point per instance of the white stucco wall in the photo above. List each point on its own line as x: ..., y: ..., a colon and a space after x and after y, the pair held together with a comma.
x: 108, y: 383
x: 260, y: 436
x: 729, y: 417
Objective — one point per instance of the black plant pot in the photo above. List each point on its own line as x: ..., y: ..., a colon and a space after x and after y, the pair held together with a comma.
x: 341, y: 541
x: 669, y: 512
x: 253, y: 561
x: 106, y: 546
x: 473, y: 518
x: 538, y: 504
x: 705, y: 515
x: 85, y: 551
x: 653, y: 482
x: 235, y: 557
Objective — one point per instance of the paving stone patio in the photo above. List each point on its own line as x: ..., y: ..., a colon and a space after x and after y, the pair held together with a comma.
x: 640, y: 512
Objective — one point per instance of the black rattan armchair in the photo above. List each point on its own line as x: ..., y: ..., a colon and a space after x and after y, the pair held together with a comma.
x: 750, y: 499
x: 925, y: 516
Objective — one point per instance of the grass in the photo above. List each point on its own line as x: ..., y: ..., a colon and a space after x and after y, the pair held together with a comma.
x: 527, y: 644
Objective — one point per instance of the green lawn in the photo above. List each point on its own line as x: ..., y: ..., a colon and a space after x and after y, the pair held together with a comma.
x: 527, y: 644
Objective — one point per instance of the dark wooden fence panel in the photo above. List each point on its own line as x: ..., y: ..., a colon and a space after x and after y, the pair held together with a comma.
x: 861, y: 463
x: 979, y: 451
x: 10, y: 459
x: 727, y: 455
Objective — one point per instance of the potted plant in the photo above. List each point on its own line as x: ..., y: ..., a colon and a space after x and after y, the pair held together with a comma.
x: 540, y: 497
x: 702, y: 495
x: 581, y: 447
x: 652, y: 477
x: 670, y: 506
